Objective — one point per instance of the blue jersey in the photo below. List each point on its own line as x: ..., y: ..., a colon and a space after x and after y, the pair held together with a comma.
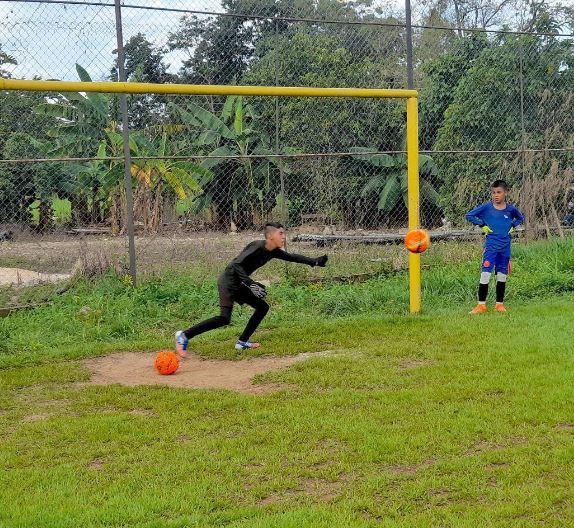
x: 499, y: 220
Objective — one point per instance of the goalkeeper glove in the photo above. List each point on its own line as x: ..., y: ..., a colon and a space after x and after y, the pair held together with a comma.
x: 257, y: 289
x: 486, y: 230
x: 512, y: 230
x: 321, y: 261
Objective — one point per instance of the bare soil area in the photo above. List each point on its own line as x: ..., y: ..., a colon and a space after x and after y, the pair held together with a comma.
x: 136, y: 368
x: 24, y: 277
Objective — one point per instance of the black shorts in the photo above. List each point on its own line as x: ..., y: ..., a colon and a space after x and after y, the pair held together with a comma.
x: 242, y: 295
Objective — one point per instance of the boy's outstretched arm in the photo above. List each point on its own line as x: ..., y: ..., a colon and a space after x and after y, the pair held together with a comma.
x: 300, y: 259
x: 474, y: 215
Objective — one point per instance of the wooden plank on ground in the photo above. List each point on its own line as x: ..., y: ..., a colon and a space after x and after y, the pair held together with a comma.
x: 383, y: 238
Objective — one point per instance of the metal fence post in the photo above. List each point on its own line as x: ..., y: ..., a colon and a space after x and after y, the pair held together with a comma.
x: 126, y: 141
x: 278, y: 129
x: 409, y: 36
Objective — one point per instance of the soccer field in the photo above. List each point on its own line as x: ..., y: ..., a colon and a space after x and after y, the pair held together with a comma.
x: 402, y: 153
x: 436, y: 420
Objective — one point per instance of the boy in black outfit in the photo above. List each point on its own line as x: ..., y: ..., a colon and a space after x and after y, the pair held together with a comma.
x: 236, y: 286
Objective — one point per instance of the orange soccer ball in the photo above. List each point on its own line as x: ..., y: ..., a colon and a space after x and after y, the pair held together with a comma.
x: 417, y: 240
x: 166, y: 362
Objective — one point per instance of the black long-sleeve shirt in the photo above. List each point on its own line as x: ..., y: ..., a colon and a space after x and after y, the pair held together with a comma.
x: 253, y: 256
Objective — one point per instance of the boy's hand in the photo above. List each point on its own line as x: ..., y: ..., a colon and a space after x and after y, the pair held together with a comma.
x: 486, y: 230
x: 321, y: 261
x: 511, y: 230
x: 258, y: 290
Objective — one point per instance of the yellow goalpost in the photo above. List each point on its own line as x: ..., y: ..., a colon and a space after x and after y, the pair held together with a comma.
x: 287, y: 91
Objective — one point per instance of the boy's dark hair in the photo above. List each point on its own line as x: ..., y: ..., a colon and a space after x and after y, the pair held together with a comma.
x: 272, y: 226
x: 499, y: 183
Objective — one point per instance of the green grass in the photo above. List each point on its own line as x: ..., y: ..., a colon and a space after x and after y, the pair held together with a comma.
x: 437, y: 420
x: 418, y: 421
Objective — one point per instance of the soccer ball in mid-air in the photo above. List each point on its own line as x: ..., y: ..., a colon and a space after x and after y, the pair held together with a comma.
x: 417, y: 240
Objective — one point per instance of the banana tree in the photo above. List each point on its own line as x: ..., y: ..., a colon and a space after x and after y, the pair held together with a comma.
x: 157, y: 180
x: 239, y: 186
x: 82, y: 120
x: 96, y: 188
x: 386, y: 178
x: 161, y: 182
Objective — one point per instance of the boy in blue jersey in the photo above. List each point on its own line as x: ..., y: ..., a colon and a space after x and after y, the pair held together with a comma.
x: 498, y: 221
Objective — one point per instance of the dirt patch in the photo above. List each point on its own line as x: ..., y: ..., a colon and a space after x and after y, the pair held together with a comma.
x: 410, y: 470
x: 326, y: 490
x: 23, y: 277
x: 404, y: 470
x: 497, y: 465
x: 40, y: 409
x: 440, y: 497
x: 96, y: 464
x: 135, y: 368
x: 412, y: 363
x: 316, y: 488
x: 483, y: 446
x: 274, y: 498
x: 36, y: 417
x: 143, y: 412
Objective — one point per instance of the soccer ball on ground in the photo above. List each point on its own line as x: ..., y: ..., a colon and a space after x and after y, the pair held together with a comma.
x: 166, y: 362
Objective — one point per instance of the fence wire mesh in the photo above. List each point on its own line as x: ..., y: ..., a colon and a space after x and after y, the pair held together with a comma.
x: 208, y: 172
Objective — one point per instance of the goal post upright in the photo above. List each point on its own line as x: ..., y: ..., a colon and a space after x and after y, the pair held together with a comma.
x: 413, y: 200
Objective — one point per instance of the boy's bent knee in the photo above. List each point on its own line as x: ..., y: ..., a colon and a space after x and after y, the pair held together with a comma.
x: 223, y: 320
x: 224, y: 317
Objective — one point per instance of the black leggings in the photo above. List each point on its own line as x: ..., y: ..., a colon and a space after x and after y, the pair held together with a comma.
x: 224, y: 318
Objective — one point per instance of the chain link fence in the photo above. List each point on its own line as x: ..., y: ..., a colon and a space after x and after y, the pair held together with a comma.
x: 209, y: 171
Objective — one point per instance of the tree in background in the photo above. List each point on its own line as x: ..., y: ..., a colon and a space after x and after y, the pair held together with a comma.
x: 21, y: 134
x: 17, y: 113
x: 23, y: 184
x: 6, y: 59
x: 440, y: 78
x: 316, y: 125
x: 517, y: 94
x: 382, y: 185
x: 144, y: 62
x: 80, y: 122
x: 218, y: 47
x: 17, y: 191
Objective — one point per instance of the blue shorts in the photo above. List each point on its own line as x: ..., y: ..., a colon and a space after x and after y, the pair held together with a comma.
x: 496, y: 259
